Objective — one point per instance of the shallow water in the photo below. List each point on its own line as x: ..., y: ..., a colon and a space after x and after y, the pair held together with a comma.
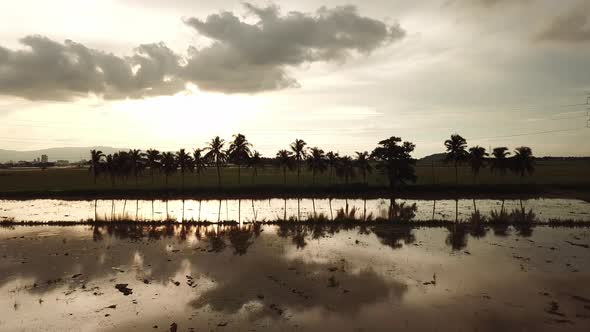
x: 293, y: 277
x: 273, y: 209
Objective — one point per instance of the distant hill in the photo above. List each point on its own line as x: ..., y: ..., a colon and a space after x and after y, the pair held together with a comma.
x: 437, y: 157
x: 53, y: 154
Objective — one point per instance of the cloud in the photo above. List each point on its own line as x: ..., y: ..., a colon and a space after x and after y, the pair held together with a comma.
x: 243, y: 57
x: 573, y: 26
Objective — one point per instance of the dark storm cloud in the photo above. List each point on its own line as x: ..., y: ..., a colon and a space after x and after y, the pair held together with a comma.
x: 242, y: 57
x: 573, y: 26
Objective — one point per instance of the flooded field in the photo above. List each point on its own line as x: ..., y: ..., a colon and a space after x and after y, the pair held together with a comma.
x: 293, y: 277
x: 280, y: 209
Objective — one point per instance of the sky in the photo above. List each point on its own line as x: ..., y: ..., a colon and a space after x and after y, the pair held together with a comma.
x: 342, y: 75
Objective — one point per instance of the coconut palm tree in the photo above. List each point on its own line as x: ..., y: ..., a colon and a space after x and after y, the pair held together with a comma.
x: 285, y: 161
x: 111, y: 168
x: 122, y: 167
x: 362, y: 163
x: 153, y: 161
x: 332, y: 161
x: 298, y: 148
x: 215, y: 155
x: 239, y: 152
x: 96, y: 157
x: 255, y: 162
x: 477, y: 158
x: 185, y: 162
x: 316, y: 161
x: 456, y: 152
x: 395, y: 160
x: 136, y: 161
x: 523, y: 162
x: 199, y: 163
x: 345, y: 169
x: 169, y: 165
x: 500, y: 164
x: 500, y: 161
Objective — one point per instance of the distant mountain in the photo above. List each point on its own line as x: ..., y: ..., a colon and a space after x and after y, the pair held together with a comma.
x: 53, y: 154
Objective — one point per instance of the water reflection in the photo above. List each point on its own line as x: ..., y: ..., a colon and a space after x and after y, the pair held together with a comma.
x: 241, y: 210
x: 322, y: 275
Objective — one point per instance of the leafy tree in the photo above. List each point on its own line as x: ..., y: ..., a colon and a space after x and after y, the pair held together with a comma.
x: 285, y: 161
x: 215, y: 155
x: 456, y: 152
x: 239, y: 152
x: 395, y: 160
x: 316, y: 162
x: 362, y: 162
x: 298, y: 148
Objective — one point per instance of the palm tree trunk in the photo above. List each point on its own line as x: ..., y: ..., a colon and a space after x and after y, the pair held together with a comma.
x: 456, y: 174
x: 152, y: 173
x: 474, y: 207
x: 456, y: 211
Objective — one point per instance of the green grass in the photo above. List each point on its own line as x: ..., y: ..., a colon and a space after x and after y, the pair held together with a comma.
x: 574, y: 173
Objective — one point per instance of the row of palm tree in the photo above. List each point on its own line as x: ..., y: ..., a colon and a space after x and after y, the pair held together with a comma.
x: 392, y: 157
x: 521, y: 163
x: 239, y: 152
